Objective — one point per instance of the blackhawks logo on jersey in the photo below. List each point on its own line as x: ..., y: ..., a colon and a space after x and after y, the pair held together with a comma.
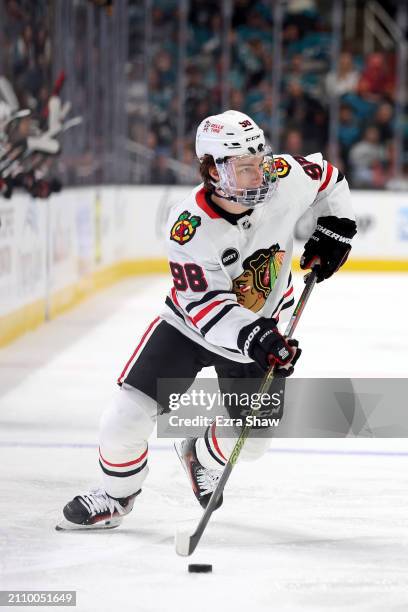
x: 184, y: 228
x: 261, y: 270
x: 282, y: 167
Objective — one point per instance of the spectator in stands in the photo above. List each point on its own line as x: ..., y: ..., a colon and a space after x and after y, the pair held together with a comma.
x: 299, y: 105
x: 165, y: 69
x: 291, y: 38
x: 383, y: 120
x: 303, y: 12
x: 252, y: 56
x: 367, y: 160
x: 196, y: 91
x: 346, y: 78
x: 213, y: 44
x: 378, y: 77
x: 237, y: 99
x: 307, y: 115
x: 298, y: 71
x: 348, y: 133
x: 362, y: 102
x: 293, y: 143
x: 24, y: 50
x: 162, y: 174
x: 262, y: 112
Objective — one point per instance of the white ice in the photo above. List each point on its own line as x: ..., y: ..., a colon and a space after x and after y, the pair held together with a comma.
x: 299, y: 530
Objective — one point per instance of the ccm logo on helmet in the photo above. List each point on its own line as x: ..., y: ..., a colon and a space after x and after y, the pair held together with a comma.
x: 253, y: 138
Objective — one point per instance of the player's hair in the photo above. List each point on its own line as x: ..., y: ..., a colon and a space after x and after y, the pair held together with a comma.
x: 206, y: 163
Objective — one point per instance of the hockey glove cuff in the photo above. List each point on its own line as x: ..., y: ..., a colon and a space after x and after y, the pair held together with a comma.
x: 328, y: 246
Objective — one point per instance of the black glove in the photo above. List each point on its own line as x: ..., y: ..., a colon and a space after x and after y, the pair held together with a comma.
x: 328, y: 246
x: 262, y: 342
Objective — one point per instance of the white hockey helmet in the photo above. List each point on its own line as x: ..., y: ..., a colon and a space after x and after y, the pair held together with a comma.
x: 230, y: 136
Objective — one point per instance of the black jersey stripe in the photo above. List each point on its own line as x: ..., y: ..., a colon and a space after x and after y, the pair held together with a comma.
x: 340, y: 176
x: 288, y: 304
x: 283, y: 298
x: 123, y: 474
x: 170, y: 304
x: 231, y: 350
x: 206, y: 328
x: 208, y: 296
x: 278, y: 305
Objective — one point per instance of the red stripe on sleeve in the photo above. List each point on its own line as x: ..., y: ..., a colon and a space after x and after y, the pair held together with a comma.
x: 328, y: 177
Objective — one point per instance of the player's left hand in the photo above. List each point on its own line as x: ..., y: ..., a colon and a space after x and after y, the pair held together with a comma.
x: 328, y: 246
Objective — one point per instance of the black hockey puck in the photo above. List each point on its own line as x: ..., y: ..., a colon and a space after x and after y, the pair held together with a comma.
x: 200, y: 568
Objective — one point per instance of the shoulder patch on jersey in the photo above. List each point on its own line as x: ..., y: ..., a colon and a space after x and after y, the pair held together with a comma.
x: 184, y: 228
x: 282, y: 166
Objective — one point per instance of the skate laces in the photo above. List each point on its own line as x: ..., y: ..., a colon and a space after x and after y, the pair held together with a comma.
x: 98, y: 501
x: 207, y: 480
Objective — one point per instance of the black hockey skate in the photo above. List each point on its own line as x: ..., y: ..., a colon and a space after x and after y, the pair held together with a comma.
x: 203, y: 480
x: 95, y: 510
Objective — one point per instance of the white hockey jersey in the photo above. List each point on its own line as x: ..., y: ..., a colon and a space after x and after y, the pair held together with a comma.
x: 229, y: 271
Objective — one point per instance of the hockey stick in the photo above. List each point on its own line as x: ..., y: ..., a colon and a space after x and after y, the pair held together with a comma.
x: 186, y: 543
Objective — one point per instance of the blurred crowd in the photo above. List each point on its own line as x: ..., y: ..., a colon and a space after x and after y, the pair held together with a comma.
x: 175, y: 77
x: 26, y: 52
x: 365, y: 86
x: 33, y: 116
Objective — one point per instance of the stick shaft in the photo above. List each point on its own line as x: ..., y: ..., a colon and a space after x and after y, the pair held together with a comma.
x: 236, y: 451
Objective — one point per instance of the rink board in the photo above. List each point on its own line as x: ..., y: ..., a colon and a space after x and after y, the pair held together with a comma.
x: 54, y: 253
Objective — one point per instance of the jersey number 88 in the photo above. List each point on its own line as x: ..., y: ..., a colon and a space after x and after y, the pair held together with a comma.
x: 188, y: 276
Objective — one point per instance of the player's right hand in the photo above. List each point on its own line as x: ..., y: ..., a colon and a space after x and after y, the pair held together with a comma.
x: 262, y: 342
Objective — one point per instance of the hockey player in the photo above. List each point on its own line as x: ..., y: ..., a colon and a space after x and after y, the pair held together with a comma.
x: 230, y: 250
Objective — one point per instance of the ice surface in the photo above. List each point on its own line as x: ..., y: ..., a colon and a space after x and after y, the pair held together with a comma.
x: 313, y: 525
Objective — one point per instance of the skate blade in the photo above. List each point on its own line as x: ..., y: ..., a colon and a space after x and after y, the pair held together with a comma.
x: 65, y: 525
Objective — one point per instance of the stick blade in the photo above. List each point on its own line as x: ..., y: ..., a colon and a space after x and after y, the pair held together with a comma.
x: 185, y: 543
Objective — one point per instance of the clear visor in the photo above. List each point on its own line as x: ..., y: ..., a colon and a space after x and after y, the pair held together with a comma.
x: 248, y: 179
